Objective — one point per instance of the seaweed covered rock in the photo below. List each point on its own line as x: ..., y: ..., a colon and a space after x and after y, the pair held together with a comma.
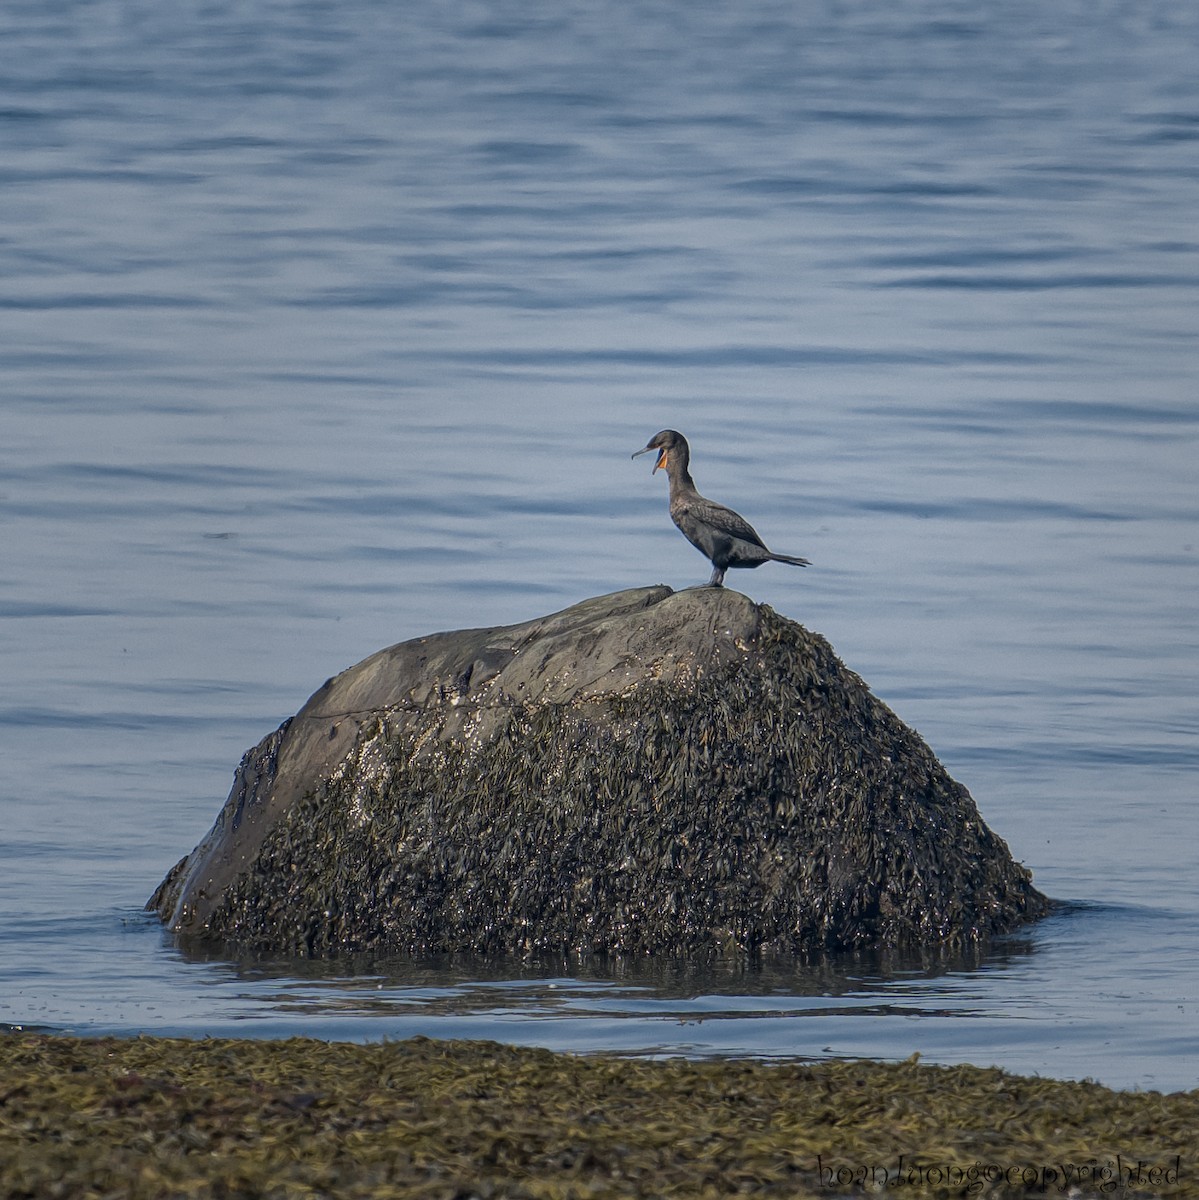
x: 645, y: 772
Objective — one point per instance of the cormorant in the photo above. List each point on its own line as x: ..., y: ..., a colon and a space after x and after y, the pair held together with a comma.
x: 723, y: 536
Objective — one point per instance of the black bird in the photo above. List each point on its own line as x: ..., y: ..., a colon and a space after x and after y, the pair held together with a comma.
x: 721, y: 535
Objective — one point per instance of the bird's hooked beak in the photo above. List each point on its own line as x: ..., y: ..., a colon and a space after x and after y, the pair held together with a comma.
x: 661, y: 463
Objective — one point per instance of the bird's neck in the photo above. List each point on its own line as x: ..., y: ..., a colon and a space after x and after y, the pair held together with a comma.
x: 681, y: 483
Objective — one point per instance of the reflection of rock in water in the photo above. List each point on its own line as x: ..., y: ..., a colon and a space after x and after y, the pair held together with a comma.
x: 618, y: 987
x: 646, y: 772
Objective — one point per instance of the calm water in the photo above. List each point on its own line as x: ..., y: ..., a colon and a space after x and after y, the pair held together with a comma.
x: 326, y: 326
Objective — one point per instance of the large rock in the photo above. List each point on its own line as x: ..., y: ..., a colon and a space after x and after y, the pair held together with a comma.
x: 646, y: 772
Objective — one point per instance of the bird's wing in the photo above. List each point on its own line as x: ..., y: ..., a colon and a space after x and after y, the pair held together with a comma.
x: 724, y: 520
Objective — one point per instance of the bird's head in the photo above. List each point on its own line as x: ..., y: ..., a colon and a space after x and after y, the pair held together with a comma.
x: 670, y: 445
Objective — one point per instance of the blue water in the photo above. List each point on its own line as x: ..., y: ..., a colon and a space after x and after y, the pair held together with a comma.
x: 326, y: 326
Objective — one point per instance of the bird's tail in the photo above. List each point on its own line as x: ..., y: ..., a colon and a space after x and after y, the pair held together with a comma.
x: 795, y: 562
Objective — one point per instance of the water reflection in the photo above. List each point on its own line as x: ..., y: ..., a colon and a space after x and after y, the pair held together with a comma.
x: 593, y: 985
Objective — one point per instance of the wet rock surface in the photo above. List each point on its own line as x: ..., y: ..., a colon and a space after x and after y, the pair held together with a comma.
x: 645, y: 772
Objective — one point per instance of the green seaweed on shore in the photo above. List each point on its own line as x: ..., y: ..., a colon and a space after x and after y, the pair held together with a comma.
x: 147, y: 1118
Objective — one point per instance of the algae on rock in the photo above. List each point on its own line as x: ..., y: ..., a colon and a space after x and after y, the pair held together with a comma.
x: 646, y: 772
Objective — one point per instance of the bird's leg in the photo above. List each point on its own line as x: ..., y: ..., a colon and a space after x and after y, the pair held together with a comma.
x: 717, y: 579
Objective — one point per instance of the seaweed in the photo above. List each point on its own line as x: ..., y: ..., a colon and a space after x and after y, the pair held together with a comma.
x: 756, y: 800
x: 147, y: 1118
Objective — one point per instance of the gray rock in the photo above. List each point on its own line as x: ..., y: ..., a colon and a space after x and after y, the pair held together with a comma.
x: 645, y: 772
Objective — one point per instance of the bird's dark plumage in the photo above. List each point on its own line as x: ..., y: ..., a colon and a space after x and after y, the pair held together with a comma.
x: 726, y: 538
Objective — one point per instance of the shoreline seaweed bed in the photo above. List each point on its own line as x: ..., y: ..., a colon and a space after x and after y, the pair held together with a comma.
x: 159, y: 1117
